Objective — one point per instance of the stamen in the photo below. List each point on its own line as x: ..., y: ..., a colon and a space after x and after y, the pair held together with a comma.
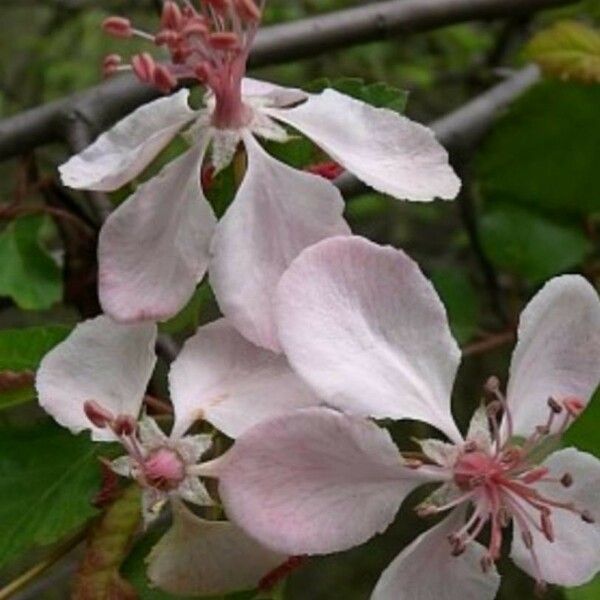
x: 118, y: 27
x: 124, y: 426
x: 98, y: 415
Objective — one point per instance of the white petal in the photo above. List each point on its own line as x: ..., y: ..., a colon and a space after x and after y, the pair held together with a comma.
x: 153, y: 249
x: 426, y: 570
x: 193, y: 490
x: 103, y: 361
x: 314, y: 481
x: 558, y: 353
x: 439, y: 452
x: 222, y: 378
x: 386, y: 150
x: 278, y: 211
x: 122, y: 153
x: 270, y: 94
x: 224, y: 145
x: 199, y: 557
x: 574, y: 557
x: 367, y: 330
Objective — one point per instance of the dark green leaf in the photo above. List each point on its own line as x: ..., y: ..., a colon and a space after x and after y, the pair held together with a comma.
x: 544, y: 152
x: 583, y: 434
x: 29, y: 275
x: 530, y: 245
x: 460, y: 299
x: 48, y: 478
x: 189, y: 317
x: 23, y: 349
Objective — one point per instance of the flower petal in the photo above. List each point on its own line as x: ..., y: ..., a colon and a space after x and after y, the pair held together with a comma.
x: 426, y: 570
x: 367, y: 330
x: 558, y: 353
x: 573, y: 558
x: 314, y: 481
x: 122, y: 153
x: 153, y: 249
x: 278, y: 211
x: 221, y: 377
x: 103, y: 361
x: 199, y: 557
x: 386, y: 150
x: 270, y: 94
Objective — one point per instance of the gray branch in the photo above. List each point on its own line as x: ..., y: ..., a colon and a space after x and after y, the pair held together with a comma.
x: 102, y: 105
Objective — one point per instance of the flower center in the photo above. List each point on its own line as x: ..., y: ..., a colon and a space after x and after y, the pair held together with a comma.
x: 502, y: 481
x: 210, y: 43
x: 164, y: 469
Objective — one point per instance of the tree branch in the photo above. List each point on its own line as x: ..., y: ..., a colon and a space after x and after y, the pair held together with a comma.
x: 102, y: 105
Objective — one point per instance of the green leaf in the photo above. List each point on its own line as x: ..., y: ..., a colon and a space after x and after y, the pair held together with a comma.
x: 568, y: 50
x: 583, y: 434
x: 544, y: 152
x: 23, y: 349
x: 530, y: 245
x: 189, y: 317
x: 48, y: 478
x: 29, y: 275
x: 460, y: 299
x: 591, y: 591
x: 380, y: 95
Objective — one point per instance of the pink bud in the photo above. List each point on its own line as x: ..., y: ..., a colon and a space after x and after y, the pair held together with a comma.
x: 118, y: 27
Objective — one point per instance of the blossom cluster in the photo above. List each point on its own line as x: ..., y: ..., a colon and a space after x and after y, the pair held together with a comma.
x: 322, y: 334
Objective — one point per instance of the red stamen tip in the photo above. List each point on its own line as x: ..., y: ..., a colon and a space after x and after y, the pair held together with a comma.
x: 118, y: 27
x: 574, y: 406
x: 125, y: 425
x: 98, y: 415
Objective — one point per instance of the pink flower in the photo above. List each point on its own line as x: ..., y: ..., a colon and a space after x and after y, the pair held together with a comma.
x: 96, y: 380
x: 367, y: 331
x: 157, y: 245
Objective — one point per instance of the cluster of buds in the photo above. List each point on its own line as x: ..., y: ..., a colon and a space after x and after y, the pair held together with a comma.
x: 209, y: 44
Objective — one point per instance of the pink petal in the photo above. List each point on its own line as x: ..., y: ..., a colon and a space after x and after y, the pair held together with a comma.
x: 314, y: 481
x: 278, y: 211
x: 574, y: 556
x: 387, y: 151
x: 221, y: 377
x: 153, y: 249
x: 103, y: 361
x: 199, y: 557
x: 558, y: 353
x: 426, y: 570
x: 367, y: 330
x: 122, y: 153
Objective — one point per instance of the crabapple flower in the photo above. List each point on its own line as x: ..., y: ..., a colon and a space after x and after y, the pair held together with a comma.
x: 96, y: 380
x: 367, y: 330
x: 158, y: 245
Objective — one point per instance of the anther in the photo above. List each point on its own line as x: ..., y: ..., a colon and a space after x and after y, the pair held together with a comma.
x: 574, y: 406
x: 527, y: 539
x: 567, y: 480
x: 555, y: 406
x: 247, y: 10
x: 171, y: 17
x: 144, y: 67
x: 163, y: 79
x: 111, y: 64
x: 124, y: 426
x: 224, y: 40
x: 535, y: 475
x: 412, y: 463
x: 547, y: 526
x: 118, y: 27
x: 492, y: 386
x: 587, y: 517
x: 98, y: 415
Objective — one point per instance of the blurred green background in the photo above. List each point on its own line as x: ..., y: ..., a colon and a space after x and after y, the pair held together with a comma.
x: 530, y: 209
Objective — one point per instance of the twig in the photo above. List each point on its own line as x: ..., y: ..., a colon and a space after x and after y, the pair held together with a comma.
x: 489, y: 343
x: 107, y: 102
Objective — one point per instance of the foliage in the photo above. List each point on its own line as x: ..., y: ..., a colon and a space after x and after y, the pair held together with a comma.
x: 568, y: 50
x: 48, y: 479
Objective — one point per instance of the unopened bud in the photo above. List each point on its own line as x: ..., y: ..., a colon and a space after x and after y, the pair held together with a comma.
x: 98, y: 415
x: 118, y: 27
x: 125, y: 426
